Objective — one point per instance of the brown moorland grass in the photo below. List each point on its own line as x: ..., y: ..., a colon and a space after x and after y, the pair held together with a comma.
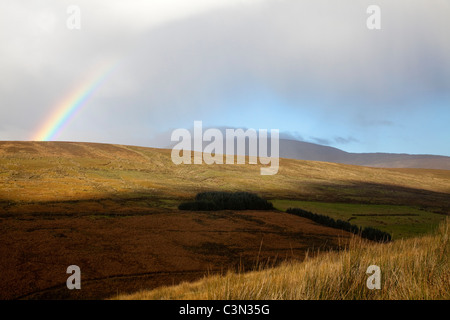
x: 410, y: 269
x: 126, y: 253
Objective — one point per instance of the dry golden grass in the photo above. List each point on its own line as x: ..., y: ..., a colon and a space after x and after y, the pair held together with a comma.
x: 58, y: 171
x: 410, y: 269
x: 104, y: 179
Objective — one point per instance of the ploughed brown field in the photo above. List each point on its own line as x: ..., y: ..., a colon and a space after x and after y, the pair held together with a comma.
x: 112, y: 210
x: 127, y: 254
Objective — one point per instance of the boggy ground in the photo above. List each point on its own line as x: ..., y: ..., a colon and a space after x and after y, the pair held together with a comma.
x: 121, y: 254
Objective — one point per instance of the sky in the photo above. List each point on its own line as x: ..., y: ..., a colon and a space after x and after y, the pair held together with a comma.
x: 136, y: 70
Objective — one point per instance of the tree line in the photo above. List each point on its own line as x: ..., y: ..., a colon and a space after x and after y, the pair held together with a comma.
x: 218, y: 200
x: 367, y: 232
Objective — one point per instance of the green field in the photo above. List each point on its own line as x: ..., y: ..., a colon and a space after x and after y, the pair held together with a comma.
x: 399, y: 220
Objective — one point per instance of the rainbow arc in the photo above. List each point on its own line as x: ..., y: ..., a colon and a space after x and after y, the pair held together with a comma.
x: 73, y: 102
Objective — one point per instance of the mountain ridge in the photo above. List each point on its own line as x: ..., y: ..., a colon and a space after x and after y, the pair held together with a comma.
x: 301, y: 150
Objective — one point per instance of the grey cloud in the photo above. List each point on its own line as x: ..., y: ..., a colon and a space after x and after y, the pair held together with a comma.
x: 162, y: 139
x: 321, y: 141
x: 291, y: 136
x: 300, y: 50
x: 341, y: 140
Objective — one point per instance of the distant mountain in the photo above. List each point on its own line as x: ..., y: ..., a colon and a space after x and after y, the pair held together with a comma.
x: 301, y: 150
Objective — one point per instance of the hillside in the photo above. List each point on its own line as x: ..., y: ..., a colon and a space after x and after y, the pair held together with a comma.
x: 112, y: 210
x: 102, y: 179
x: 83, y: 171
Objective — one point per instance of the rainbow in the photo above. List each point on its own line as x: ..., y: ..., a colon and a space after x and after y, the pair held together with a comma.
x: 68, y: 107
